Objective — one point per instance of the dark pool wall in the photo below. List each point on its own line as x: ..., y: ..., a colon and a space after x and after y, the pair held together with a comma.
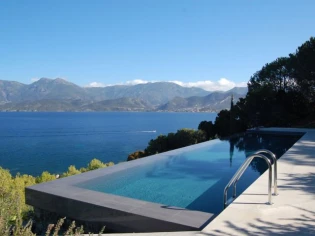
x: 95, y: 216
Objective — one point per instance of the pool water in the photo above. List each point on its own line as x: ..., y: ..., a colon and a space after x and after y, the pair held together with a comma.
x: 193, y: 179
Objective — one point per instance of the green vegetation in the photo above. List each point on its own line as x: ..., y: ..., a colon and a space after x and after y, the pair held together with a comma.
x: 163, y: 143
x: 13, y: 210
x: 281, y: 94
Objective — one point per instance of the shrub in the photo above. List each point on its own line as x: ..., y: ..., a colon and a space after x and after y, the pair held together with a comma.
x: 45, y: 177
x: 71, y: 171
x: 14, y: 213
x: 96, y: 164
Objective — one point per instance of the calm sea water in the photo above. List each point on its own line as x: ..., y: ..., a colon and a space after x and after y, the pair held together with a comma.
x: 31, y: 143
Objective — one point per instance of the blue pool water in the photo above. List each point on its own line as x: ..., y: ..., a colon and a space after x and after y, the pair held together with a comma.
x: 193, y: 179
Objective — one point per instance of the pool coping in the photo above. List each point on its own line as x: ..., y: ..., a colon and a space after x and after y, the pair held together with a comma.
x: 133, y: 215
x: 293, y: 211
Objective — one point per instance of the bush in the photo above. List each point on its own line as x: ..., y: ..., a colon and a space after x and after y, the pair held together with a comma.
x: 71, y: 171
x: 163, y: 143
x: 96, y: 164
x: 45, y: 177
x: 12, y: 203
x: 14, y: 213
x: 136, y: 155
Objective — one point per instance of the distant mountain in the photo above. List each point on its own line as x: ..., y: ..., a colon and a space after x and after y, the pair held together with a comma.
x: 43, y: 89
x: 61, y: 95
x: 215, y: 101
x: 44, y: 105
x: 10, y: 91
x: 152, y: 93
x: 119, y: 104
x: 59, y: 89
x: 238, y: 90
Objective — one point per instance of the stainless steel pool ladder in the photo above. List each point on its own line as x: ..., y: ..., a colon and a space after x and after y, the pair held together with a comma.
x: 275, y: 178
x: 244, y: 166
x: 275, y: 168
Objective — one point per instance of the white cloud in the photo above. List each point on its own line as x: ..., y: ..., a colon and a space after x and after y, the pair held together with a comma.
x: 129, y: 82
x: 242, y: 84
x: 222, y: 84
x: 95, y: 85
x: 136, y: 81
x: 34, y: 79
x: 225, y: 82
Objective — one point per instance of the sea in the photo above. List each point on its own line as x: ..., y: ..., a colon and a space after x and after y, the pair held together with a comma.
x: 33, y: 142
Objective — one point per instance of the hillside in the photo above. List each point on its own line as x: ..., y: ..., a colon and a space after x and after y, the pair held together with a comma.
x: 152, y: 93
x: 10, y: 91
x: 119, y: 104
x: 215, y: 101
x: 61, y: 95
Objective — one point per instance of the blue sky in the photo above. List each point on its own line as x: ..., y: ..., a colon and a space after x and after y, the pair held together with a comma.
x: 206, y: 43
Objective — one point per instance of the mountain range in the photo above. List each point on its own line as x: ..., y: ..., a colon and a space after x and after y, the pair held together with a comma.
x: 61, y: 95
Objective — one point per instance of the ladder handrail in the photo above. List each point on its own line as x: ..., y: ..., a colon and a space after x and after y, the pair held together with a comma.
x: 239, y: 176
x: 275, y: 168
x: 241, y: 170
x: 273, y: 157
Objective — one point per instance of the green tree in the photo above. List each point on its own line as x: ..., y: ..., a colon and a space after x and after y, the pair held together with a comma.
x: 163, y: 143
x: 209, y: 129
x: 277, y: 75
x: 158, y: 145
x: 186, y: 137
x: 303, y: 66
x: 222, y: 123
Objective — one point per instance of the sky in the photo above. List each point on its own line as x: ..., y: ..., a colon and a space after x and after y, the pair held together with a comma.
x: 211, y: 44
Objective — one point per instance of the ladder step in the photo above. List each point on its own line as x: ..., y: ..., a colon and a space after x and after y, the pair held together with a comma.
x: 242, y: 169
x: 229, y: 201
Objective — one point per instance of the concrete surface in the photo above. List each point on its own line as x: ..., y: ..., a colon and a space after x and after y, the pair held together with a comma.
x: 64, y: 197
x: 292, y: 211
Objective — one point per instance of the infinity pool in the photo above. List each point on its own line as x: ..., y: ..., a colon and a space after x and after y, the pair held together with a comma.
x: 193, y: 179
x: 178, y: 190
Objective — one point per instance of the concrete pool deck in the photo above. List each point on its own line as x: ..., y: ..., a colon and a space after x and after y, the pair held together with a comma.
x: 293, y: 210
